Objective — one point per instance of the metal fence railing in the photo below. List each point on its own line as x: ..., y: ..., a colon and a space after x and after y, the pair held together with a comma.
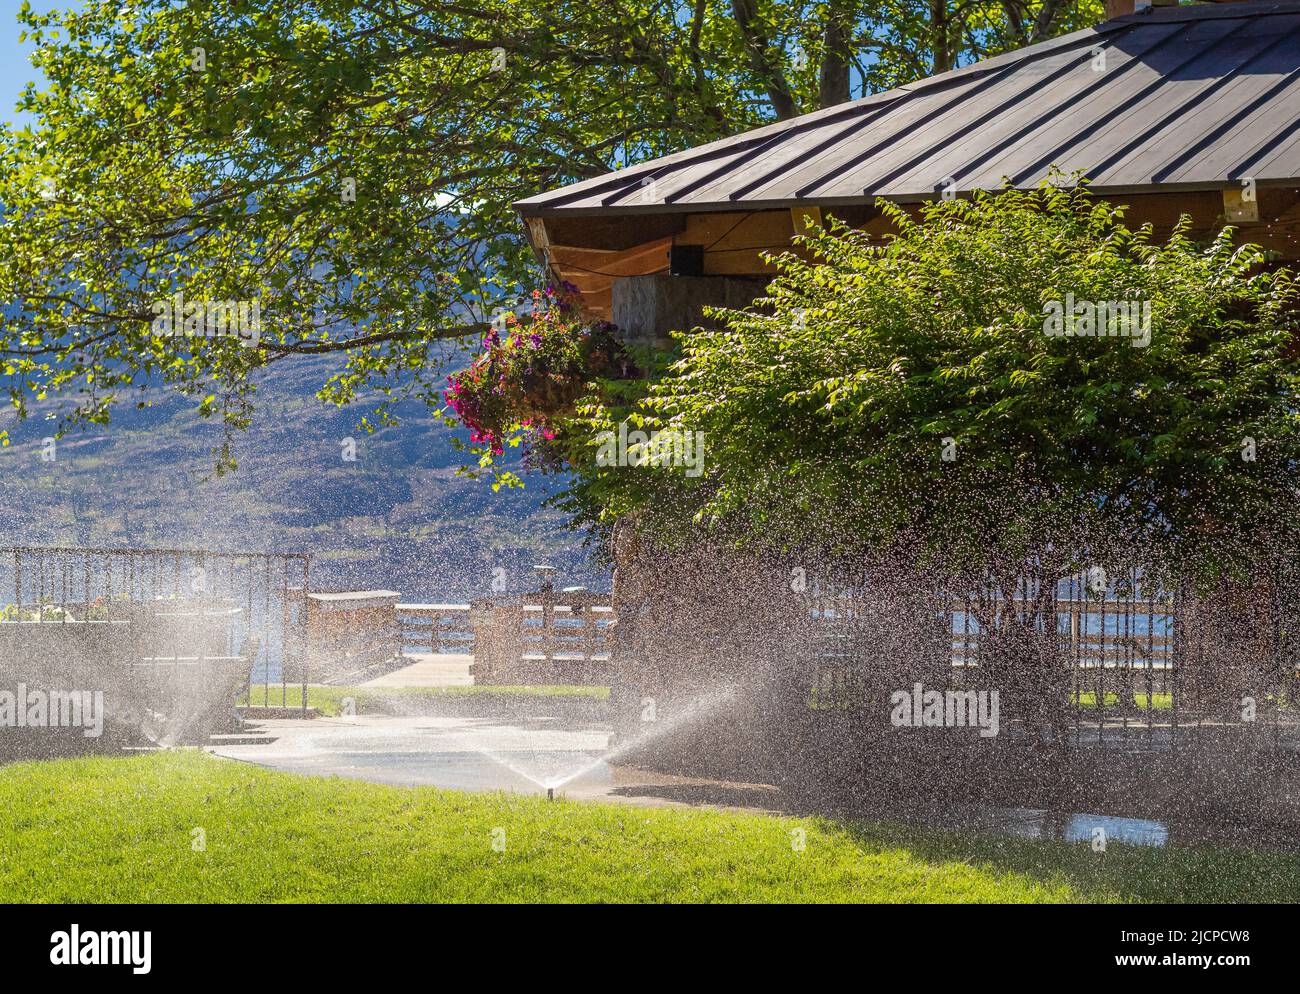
x: 178, y: 604
x: 1119, y: 659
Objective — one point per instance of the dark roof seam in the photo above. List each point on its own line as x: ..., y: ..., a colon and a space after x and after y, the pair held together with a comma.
x: 1218, y: 132
x: 872, y: 150
x: 988, y: 154
x: 1269, y: 146
x: 1189, y: 103
x: 738, y: 147
x: 1044, y: 160
x: 919, y: 157
x: 675, y: 195
x: 816, y: 150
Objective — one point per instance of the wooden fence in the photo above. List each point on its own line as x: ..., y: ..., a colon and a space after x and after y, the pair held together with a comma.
x: 548, y: 637
x: 437, y: 628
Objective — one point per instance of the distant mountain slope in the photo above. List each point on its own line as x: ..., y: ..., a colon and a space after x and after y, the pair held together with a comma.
x: 397, y: 516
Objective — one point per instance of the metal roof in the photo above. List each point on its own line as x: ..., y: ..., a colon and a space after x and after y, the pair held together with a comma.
x: 1177, y: 97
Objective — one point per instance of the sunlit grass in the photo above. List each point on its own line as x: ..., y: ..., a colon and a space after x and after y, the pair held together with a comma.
x: 1142, y: 701
x: 328, y: 700
x: 128, y: 829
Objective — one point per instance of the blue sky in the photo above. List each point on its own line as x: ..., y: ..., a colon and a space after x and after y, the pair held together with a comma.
x: 15, y: 69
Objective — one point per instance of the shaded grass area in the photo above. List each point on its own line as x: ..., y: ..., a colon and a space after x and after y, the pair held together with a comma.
x: 124, y: 829
x: 1159, y: 702
x: 1165, y: 701
x: 328, y: 700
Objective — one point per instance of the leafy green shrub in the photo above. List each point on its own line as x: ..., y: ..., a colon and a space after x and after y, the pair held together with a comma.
x: 919, y: 387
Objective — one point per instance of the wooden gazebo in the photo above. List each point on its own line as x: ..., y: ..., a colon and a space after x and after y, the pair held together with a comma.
x: 1170, y: 109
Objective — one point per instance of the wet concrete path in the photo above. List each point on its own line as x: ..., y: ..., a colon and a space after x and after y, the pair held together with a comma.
x: 531, y: 754
x: 526, y: 755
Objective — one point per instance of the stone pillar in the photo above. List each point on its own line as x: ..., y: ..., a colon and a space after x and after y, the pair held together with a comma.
x: 691, y: 622
x: 498, y: 645
x: 647, y: 308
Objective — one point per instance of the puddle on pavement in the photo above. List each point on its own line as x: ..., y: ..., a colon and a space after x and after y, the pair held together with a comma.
x: 1045, y: 825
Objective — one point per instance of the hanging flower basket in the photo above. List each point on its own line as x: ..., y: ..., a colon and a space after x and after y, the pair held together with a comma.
x: 534, y: 376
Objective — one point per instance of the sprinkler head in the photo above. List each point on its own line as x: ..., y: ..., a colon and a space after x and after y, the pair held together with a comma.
x: 550, y: 793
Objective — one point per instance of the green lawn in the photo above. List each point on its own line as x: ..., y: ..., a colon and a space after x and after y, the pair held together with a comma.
x: 122, y: 829
x: 328, y: 700
x: 1162, y: 702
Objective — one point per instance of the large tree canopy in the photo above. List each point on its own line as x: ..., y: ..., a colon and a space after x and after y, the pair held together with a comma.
x: 348, y: 165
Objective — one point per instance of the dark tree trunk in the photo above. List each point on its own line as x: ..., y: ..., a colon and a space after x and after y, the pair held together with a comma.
x: 834, y: 81
x: 762, y: 59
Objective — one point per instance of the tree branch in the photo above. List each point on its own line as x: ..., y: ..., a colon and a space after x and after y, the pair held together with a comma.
x: 761, y: 61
